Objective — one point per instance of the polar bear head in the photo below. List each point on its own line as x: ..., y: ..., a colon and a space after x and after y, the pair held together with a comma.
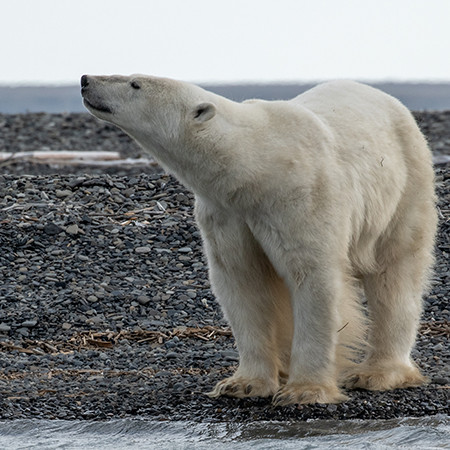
x: 193, y: 133
x: 150, y: 109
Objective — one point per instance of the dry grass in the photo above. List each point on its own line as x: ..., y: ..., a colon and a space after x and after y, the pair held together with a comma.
x: 108, y: 339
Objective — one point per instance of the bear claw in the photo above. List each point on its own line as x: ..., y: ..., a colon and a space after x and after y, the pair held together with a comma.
x: 241, y: 388
x: 306, y: 394
x: 380, y: 379
x: 248, y: 389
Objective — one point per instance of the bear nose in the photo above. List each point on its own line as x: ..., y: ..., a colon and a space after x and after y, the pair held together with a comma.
x: 84, y: 81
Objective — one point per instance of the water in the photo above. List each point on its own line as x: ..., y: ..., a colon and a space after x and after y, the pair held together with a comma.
x: 421, y: 433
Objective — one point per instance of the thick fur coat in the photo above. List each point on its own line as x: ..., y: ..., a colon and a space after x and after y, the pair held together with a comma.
x: 302, y: 205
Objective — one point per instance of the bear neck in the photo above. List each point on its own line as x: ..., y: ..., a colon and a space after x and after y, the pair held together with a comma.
x: 215, y: 162
x: 209, y: 174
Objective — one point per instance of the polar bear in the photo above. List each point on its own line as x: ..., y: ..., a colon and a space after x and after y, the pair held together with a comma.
x: 300, y: 203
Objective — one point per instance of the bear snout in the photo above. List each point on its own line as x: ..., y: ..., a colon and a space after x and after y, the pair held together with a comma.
x: 84, y: 81
x: 91, y: 98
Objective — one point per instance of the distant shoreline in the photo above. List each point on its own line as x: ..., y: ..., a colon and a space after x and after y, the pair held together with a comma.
x: 60, y: 99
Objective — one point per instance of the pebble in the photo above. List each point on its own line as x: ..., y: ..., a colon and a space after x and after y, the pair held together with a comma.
x: 144, y: 249
x: 52, y: 229
x: 72, y: 229
x: 63, y: 193
x: 440, y: 380
x: 4, y: 327
x: 230, y: 355
x: 143, y: 299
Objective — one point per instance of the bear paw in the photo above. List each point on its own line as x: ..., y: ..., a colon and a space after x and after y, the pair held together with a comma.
x: 305, y: 394
x: 385, y: 378
x: 241, y: 387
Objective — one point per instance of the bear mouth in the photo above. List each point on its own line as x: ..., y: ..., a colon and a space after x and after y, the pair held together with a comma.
x: 97, y: 107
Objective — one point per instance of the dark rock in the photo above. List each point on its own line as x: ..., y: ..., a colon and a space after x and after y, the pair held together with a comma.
x: 440, y: 380
x: 52, y: 229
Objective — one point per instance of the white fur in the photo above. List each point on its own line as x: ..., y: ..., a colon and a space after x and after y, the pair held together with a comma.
x: 300, y: 203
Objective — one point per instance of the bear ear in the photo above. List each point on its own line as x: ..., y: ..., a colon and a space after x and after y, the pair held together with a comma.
x: 204, y: 112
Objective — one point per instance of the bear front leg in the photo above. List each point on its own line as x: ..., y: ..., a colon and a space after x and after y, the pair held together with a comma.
x: 316, y: 281
x: 312, y: 372
x: 247, y: 289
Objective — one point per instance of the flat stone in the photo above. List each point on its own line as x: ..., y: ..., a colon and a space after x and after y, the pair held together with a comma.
x: 440, y: 380
x: 95, y: 320
x: 4, y: 328
x: 143, y: 299
x: 23, y: 331
x: 63, y: 193
x: 76, y: 182
x: 142, y: 250
x: 72, y: 229
x: 230, y: 355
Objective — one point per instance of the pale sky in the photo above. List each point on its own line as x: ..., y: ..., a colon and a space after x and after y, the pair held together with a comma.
x: 56, y: 41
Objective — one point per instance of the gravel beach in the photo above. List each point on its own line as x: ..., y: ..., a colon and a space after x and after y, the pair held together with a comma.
x: 105, y: 304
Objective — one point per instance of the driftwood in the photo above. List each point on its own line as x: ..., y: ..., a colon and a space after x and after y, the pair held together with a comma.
x: 61, y: 155
x: 66, y: 157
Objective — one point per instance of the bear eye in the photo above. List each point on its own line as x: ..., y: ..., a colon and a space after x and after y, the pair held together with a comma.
x: 135, y: 85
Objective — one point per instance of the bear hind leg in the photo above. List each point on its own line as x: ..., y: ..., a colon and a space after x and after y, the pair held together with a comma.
x: 395, y: 304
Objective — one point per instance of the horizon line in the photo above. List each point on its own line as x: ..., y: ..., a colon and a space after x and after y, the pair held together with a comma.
x: 66, y: 84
